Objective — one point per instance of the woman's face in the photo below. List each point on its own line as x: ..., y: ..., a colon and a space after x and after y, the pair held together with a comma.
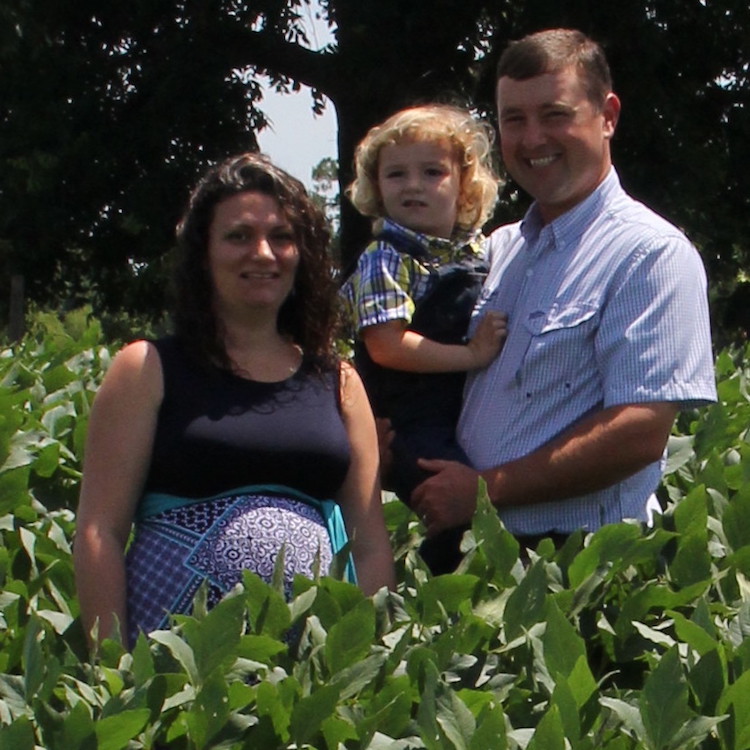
x: 252, y: 254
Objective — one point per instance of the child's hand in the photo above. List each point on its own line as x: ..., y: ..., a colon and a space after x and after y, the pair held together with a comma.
x: 489, y: 337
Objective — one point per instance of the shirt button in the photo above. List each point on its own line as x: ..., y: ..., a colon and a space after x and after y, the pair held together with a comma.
x: 529, y: 273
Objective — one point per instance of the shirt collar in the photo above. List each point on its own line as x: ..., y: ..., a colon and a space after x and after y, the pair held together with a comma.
x: 439, y: 249
x: 568, y: 227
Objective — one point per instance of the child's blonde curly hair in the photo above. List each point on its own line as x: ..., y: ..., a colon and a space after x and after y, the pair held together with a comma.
x: 470, y: 139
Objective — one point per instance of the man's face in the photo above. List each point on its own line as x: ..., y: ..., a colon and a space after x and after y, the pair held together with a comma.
x: 554, y: 140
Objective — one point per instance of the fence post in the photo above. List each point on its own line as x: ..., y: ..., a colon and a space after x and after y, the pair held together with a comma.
x: 16, y: 323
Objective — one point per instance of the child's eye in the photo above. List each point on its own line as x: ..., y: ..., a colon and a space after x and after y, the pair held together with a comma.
x: 393, y: 173
x: 435, y: 171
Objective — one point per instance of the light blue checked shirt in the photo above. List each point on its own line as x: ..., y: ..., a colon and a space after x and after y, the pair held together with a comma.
x: 607, y: 306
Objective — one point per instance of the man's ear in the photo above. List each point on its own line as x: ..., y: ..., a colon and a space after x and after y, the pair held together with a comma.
x: 611, y: 114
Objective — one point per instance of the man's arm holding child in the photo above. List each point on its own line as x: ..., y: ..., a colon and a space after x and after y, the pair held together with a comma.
x: 595, y: 453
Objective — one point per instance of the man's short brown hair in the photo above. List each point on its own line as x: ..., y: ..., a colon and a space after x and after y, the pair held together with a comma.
x: 555, y: 49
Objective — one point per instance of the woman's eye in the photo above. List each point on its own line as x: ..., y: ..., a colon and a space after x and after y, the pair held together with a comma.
x: 236, y: 235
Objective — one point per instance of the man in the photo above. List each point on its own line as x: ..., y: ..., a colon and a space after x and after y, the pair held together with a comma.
x: 608, y: 319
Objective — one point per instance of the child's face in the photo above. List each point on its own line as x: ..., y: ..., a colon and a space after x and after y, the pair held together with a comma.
x: 419, y: 183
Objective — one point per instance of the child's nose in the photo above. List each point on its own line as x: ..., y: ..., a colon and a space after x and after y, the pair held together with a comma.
x: 413, y: 180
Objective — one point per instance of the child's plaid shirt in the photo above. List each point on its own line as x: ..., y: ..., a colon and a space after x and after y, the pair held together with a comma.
x: 387, y: 284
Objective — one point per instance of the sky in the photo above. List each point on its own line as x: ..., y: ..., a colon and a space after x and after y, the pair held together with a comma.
x: 297, y: 139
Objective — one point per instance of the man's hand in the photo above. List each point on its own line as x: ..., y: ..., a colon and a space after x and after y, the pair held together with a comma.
x: 447, y: 499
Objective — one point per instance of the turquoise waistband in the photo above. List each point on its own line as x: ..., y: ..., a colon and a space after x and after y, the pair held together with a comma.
x: 153, y: 503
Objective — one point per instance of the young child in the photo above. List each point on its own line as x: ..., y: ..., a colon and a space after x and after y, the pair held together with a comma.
x: 425, y: 175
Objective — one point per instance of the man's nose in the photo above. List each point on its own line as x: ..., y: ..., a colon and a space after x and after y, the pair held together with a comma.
x: 533, y: 133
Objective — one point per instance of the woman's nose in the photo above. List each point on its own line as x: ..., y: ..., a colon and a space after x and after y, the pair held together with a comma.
x: 261, y: 248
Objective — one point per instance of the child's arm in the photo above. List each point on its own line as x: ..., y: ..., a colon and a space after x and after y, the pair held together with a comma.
x: 392, y: 345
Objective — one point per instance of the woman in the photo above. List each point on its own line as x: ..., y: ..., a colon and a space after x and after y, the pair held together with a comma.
x: 225, y: 442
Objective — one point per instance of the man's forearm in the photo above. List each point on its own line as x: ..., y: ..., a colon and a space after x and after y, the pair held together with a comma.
x: 599, y: 451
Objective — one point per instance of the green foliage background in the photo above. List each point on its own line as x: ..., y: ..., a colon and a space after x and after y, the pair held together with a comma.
x: 626, y: 638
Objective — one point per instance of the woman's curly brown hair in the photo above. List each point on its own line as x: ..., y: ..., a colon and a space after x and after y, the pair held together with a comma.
x: 308, y: 315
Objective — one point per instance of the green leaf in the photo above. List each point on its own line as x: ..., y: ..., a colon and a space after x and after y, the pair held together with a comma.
x: 389, y: 710
x: 356, y: 677
x: 565, y: 651
x: 679, y: 452
x: 455, y: 719
x: 664, y: 700
x: 736, y: 519
x: 565, y: 701
x: 14, y: 489
x: 445, y: 594
x: 735, y: 701
x: 260, y: 648
x: 180, y: 650
x: 629, y: 715
x: 18, y: 736
x: 310, y: 712
x: 549, y: 734
x: 33, y: 657
x: 210, y: 710
x: 527, y: 602
x: 498, y: 545
x: 78, y: 730
x: 267, y: 608
x: 47, y: 459
x: 429, y: 729
x: 276, y: 702
x: 692, y: 633
x: 350, y: 638
x: 692, y: 562
x: 215, y: 637
x: 143, y: 661
x: 114, y: 732
x: 337, y: 731
x: 490, y: 731
x: 610, y: 544
x: 696, y: 730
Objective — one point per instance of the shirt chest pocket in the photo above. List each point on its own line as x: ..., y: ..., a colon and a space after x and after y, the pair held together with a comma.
x: 560, y: 352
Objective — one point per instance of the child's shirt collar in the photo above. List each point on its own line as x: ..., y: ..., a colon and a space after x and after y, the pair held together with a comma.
x: 439, y: 250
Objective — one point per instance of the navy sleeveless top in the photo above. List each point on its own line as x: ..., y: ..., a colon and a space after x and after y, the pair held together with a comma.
x: 217, y: 431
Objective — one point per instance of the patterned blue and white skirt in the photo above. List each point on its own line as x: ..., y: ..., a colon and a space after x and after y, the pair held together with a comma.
x: 214, y: 540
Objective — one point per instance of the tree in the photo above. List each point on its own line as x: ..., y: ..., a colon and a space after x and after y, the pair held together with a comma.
x: 108, y: 112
